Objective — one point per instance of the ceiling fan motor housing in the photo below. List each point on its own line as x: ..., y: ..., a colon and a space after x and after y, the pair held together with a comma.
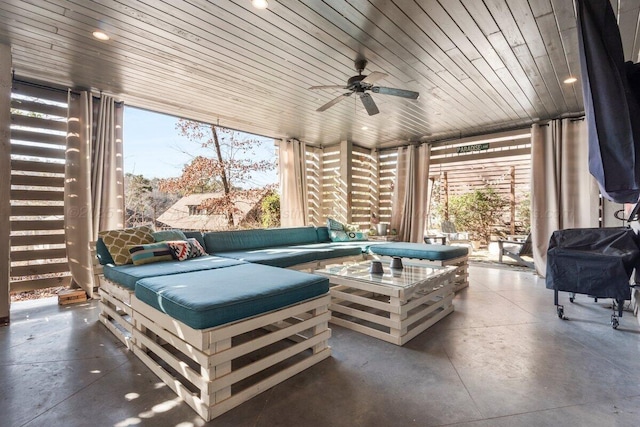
x: 354, y: 83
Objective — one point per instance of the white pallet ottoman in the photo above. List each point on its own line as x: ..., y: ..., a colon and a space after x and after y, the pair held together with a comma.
x: 216, y: 369
x: 395, y: 306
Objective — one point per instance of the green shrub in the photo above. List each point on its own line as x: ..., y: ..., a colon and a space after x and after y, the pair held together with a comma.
x: 271, y: 211
x: 477, y: 212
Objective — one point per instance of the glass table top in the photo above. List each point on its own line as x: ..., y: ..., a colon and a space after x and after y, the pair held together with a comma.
x: 409, y: 276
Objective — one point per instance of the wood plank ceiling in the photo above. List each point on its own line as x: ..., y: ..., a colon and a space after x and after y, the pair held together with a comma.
x: 479, y: 65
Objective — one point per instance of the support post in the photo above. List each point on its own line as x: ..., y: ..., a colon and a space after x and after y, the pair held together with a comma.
x: 512, y: 199
x: 5, y: 180
x: 374, y: 187
x: 346, y: 156
x: 445, y: 189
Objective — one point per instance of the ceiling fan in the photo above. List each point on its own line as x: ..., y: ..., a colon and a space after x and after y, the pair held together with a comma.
x: 360, y: 85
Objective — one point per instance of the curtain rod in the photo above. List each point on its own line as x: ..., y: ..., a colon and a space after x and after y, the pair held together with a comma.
x: 42, y: 85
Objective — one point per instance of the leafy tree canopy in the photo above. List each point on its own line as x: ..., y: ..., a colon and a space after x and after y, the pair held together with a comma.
x: 228, y: 171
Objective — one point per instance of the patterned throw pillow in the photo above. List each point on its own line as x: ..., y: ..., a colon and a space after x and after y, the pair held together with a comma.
x: 152, y: 252
x: 347, y: 236
x: 118, y: 242
x: 164, y: 235
x: 185, y: 249
x: 332, y: 224
x: 196, y: 248
x: 180, y: 249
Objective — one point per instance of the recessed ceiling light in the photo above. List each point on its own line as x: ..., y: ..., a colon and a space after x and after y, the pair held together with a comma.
x: 260, y: 4
x: 570, y: 80
x: 364, y: 128
x: 100, y: 35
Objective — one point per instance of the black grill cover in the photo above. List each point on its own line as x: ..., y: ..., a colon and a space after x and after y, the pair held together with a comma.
x: 592, y: 261
x: 611, y: 101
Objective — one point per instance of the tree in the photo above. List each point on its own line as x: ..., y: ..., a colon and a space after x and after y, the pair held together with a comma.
x: 478, y: 211
x: 136, y: 193
x: 144, y: 201
x: 228, y: 171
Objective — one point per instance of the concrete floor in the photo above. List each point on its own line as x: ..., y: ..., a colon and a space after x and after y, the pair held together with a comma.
x: 503, y: 358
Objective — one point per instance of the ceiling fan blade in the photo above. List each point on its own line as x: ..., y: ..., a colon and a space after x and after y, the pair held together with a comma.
x: 334, y: 101
x: 369, y: 104
x: 328, y: 87
x: 374, y: 77
x: 395, y: 92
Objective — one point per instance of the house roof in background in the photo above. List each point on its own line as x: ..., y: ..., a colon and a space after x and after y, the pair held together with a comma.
x: 177, y: 216
x: 479, y: 66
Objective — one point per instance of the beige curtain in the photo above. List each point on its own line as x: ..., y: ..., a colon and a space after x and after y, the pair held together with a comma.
x: 94, y: 181
x: 107, y: 168
x: 293, y: 185
x: 410, y: 191
x: 563, y: 193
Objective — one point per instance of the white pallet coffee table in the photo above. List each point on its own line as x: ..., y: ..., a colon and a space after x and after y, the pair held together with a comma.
x: 395, y: 306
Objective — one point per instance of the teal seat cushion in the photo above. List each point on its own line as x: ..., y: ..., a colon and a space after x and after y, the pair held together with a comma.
x: 204, y: 299
x: 127, y: 275
x: 239, y: 240
x: 419, y: 251
x: 288, y: 256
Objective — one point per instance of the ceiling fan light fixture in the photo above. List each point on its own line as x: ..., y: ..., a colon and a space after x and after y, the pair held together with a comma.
x: 100, y: 35
x: 570, y: 80
x: 260, y: 4
x: 364, y: 128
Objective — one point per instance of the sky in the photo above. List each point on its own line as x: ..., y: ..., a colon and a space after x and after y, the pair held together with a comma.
x: 154, y: 148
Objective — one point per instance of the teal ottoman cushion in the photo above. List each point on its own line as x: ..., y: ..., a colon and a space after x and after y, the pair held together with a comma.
x: 205, y: 299
x: 419, y: 251
x: 127, y: 275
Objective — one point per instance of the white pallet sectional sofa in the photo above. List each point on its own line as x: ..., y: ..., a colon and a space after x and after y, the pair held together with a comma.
x: 221, y: 328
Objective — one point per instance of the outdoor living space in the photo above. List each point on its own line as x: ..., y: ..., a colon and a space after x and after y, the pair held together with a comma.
x: 502, y: 358
x: 319, y: 213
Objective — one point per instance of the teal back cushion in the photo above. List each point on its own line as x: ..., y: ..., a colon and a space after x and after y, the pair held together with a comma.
x: 323, y: 234
x: 104, y: 257
x: 164, y: 235
x: 196, y: 235
x: 222, y: 241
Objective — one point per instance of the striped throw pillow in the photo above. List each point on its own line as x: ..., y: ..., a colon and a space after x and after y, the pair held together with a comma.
x: 152, y: 252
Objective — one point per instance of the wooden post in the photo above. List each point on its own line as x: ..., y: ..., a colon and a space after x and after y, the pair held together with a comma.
x: 346, y: 155
x: 375, y: 185
x: 512, y: 199
x: 5, y: 180
x: 445, y: 188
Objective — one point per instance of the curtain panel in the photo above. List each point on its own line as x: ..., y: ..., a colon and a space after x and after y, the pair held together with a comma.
x: 94, y: 178
x: 410, y: 193
x: 563, y: 192
x: 293, y: 183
